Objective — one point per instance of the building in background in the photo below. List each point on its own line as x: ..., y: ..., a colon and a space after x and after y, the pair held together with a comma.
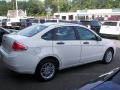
x: 89, y: 14
x: 16, y: 14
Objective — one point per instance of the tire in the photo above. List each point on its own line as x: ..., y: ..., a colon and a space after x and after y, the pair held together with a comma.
x: 46, y: 70
x: 108, y: 56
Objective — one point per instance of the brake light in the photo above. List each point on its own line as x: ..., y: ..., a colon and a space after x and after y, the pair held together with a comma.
x: 18, y: 46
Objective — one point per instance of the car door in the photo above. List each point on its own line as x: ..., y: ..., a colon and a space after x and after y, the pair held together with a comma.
x: 66, y: 46
x: 92, y: 50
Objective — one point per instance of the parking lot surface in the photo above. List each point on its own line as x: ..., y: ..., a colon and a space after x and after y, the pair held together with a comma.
x: 69, y: 79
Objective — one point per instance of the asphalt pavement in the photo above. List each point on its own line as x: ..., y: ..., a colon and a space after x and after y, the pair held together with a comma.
x: 69, y: 79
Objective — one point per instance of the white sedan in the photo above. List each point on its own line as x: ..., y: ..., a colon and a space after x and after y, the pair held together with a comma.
x: 44, y: 49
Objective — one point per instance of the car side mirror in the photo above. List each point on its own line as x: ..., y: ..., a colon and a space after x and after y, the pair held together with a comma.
x: 98, y: 38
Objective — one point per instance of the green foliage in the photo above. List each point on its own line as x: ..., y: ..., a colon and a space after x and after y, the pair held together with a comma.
x: 36, y: 7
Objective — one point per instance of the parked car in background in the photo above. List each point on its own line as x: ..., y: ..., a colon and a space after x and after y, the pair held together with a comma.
x: 34, y: 21
x: 23, y: 23
x: 75, y: 22
x: 10, y: 21
x: 110, y: 29
x: 52, y: 47
x: 26, y: 22
x: 4, y: 21
x: 94, y: 25
x: 55, y: 20
x: 108, y: 81
x: 3, y: 32
x: 1, y: 20
x: 42, y: 21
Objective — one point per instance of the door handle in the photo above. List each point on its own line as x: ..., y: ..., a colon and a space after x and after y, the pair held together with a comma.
x: 60, y: 43
x: 85, y: 42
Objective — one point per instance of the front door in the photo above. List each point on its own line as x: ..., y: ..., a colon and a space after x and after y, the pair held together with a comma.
x: 92, y: 50
x: 66, y: 46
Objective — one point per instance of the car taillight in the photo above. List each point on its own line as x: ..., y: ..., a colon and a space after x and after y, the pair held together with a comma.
x: 18, y: 46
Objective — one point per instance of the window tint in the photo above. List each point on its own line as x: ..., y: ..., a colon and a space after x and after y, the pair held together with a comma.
x: 48, y: 35
x: 32, y: 30
x: 110, y: 23
x: 85, y: 34
x: 65, y: 33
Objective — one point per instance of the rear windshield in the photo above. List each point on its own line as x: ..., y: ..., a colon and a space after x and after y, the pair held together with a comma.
x: 32, y: 30
x: 110, y: 23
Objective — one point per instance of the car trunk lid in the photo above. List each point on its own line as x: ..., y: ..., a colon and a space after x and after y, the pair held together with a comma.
x: 8, y: 41
x: 109, y: 30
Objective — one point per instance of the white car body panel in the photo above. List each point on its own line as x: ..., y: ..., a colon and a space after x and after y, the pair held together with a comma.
x: 70, y: 54
x: 92, y: 51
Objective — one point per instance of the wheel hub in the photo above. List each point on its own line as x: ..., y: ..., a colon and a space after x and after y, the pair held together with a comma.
x: 47, y: 70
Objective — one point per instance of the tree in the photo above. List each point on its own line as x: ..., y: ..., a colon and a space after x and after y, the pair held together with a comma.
x: 35, y: 7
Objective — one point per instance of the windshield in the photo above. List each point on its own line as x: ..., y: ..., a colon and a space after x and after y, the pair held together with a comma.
x: 110, y: 23
x: 32, y: 30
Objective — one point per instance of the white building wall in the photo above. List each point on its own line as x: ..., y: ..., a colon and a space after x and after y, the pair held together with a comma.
x: 90, y: 13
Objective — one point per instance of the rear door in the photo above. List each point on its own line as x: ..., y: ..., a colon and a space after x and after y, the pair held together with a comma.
x: 66, y: 46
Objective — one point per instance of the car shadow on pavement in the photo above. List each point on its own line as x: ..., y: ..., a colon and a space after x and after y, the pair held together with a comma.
x: 19, y: 77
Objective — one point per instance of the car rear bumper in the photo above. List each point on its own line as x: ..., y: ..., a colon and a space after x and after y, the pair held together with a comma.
x: 12, y: 62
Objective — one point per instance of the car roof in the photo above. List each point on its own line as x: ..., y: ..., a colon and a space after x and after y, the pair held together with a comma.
x: 61, y: 24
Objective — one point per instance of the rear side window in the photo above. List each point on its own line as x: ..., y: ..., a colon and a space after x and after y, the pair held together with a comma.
x: 65, y: 33
x: 48, y: 35
x: 32, y: 30
x: 110, y: 23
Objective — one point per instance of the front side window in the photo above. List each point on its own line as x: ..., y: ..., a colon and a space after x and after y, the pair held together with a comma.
x: 85, y: 34
x: 65, y: 33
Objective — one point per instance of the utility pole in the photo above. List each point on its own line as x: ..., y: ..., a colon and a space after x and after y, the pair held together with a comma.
x: 58, y: 2
x: 58, y: 7
x: 16, y: 8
